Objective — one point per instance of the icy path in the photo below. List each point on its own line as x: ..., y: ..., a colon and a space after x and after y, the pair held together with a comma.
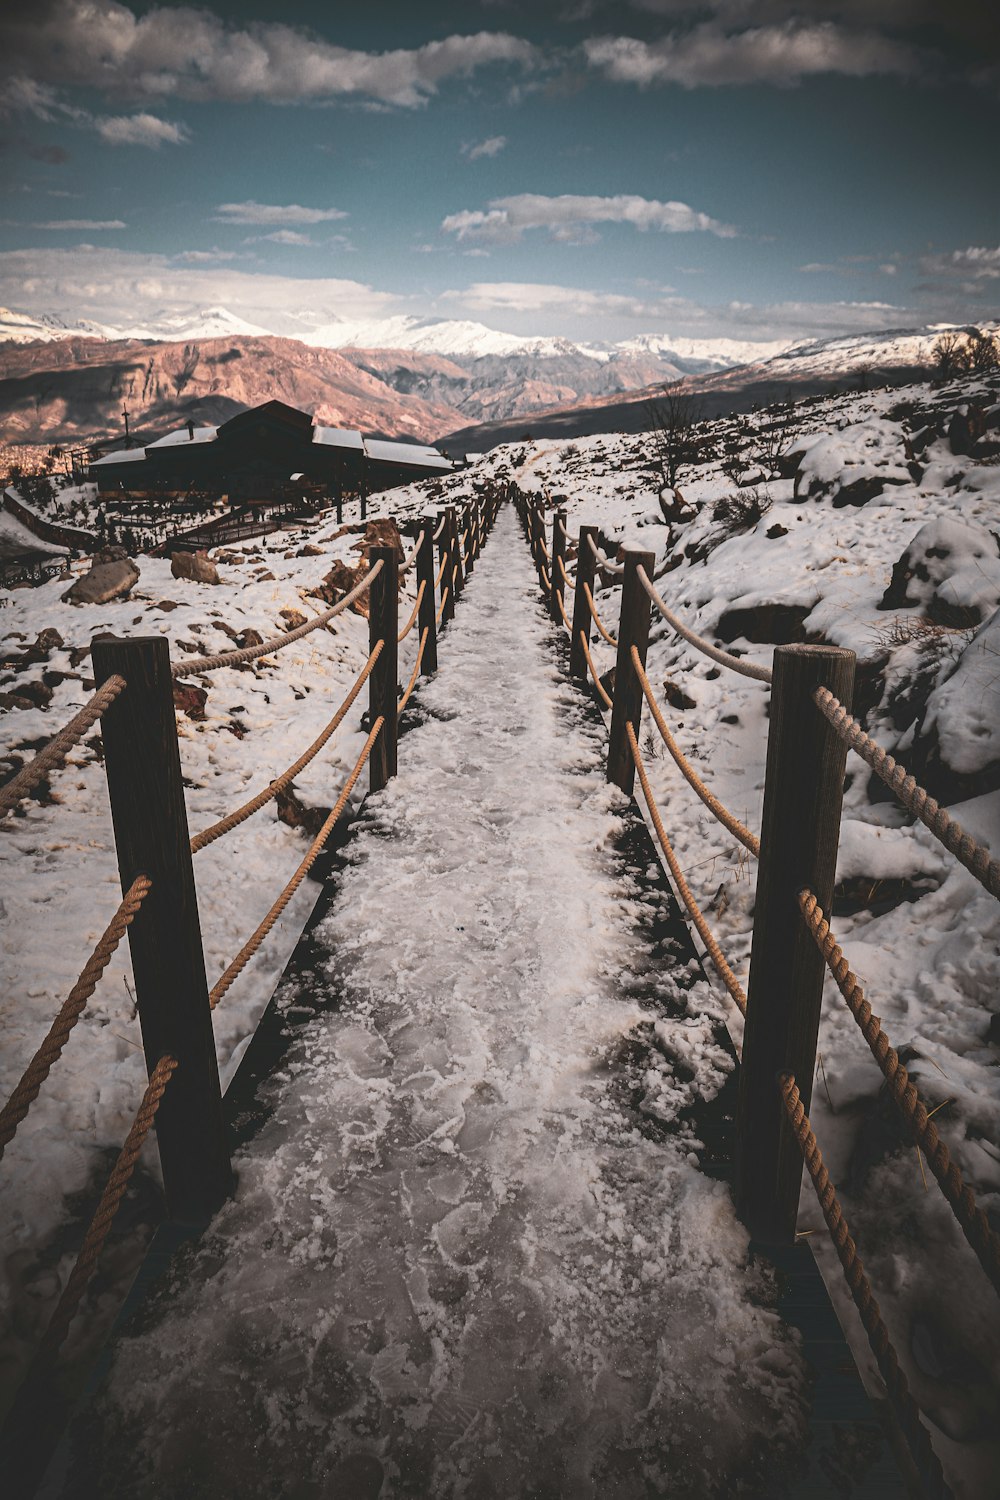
x: 455, y: 1267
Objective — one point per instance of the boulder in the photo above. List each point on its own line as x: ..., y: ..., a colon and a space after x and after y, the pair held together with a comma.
x: 765, y: 624
x: 381, y: 533
x: 113, y: 575
x: 951, y: 571
x: 190, y: 699
x: 965, y: 429
x: 293, y: 618
x: 339, y: 581
x: 309, y: 550
x: 194, y: 566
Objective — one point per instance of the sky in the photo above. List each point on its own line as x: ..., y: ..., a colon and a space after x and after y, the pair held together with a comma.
x: 752, y: 169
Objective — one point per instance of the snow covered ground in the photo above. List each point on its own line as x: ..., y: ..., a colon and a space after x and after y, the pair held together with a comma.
x: 454, y: 1265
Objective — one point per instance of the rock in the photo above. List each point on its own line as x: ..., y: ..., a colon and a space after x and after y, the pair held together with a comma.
x: 265, y: 577
x: 15, y: 700
x: 950, y: 570
x: 293, y: 618
x: 38, y: 693
x: 309, y: 550
x: 765, y: 624
x: 676, y: 696
x: 965, y: 429
x: 194, y: 566
x: 190, y: 699
x: 773, y: 532
x: 381, y: 533
x: 248, y: 637
x: 166, y: 605
x: 48, y: 640
x: 113, y: 575
x: 295, y: 814
x: 339, y: 581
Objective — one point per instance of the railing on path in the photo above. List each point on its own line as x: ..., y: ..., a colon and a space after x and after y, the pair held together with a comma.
x: 159, y: 907
x: 810, y: 732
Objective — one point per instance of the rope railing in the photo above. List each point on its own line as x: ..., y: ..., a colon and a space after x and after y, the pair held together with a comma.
x: 439, y: 533
x: 411, y: 556
x: 27, y: 1090
x: 404, y: 700
x: 946, y: 829
x: 562, y: 610
x: 54, y: 753
x: 712, y: 948
x: 612, y: 640
x: 598, y: 684
x: 441, y: 571
x: 401, y: 637
x: 975, y: 1225
x: 718, y: 809
x: 905, y: 1407
x: 724, y: 658
x: 277, y: 643
x: 441, y: 607
x: 104, y: 1215
x: 246, y: 953
x: 603, y: 560
x: 567, y: 580
x: 546, y: 579
x: 234, y: 819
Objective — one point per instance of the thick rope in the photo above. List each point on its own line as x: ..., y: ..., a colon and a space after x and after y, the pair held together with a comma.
x: 401, y: 637
x: 602, y: 692
x: 440, y: 571
x: 567, y: 580
x: 546, y: 579
x: 562, y: 527
x: 415, y: 673
x: 562, y: 611
x: 440, y: 530
x: 975, y: 1225
x: 612, y: 640
x: 26, y: 1092
x: 233, y: 819
x: 104, y: 1215
x: 411, y: 556
x: 250, y: 947
x: 603, y: 560
x: 725, y: 658
x: 444, y: 601
x: 277, y: 643
x: 723, y: 970
x: 544, y: 550
x: 907, y: 1410
x: 946, y: 829
x: 54, y: 753
x: 716, y: 808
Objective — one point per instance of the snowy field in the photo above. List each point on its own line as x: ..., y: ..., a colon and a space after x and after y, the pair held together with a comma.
x: 919, y: 931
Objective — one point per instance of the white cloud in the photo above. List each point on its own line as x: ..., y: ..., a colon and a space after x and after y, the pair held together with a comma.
x: 570, y: 216
x: 544, y: 297
x: 205, y: 257
x: 141, y: 130
x: 281, y: 237
x: 709, y: 55
x: 491, y: 147
x: 274, y: 213
x: 177, y: 51
x: 82, y: 224
x: 888, y: 269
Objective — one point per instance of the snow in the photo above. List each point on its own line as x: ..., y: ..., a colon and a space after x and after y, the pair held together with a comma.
x: 120, y: 456
x: 452, y: 1256
x: 183, y: 435
x: 407, y: 453
x: 15, y: 537
x: 338, y: 437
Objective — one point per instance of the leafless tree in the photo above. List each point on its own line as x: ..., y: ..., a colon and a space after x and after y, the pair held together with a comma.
x: 673, y: 421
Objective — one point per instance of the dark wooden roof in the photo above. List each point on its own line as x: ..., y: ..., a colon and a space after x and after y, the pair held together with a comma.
x: 274, y: 414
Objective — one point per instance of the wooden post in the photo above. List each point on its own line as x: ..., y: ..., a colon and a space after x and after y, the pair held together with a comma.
x: 633, y: 630
x: 340, y: 506
x: 456, y: 553
x: 558, y: 553
x: 139, y: 732
x: 467, y: 557
x: 383, y: 625
x: 427, y: 618
x: 803, y: 792
x: 586, y: 564
x: 444, y: 546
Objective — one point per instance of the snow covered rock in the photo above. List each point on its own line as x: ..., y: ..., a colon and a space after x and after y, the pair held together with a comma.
x: 961, y: 728
x: 951, y: 569
x: 195, y: 566
x: 112, y: 575
x: 852, y: 466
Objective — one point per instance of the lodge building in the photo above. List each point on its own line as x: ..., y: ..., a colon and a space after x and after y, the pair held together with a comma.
x: 257, y: 453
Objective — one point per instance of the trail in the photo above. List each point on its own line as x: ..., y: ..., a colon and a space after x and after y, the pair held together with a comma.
x: 455, y: 1264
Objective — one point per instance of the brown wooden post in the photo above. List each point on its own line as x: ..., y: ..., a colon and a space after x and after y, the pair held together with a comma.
x: 468, y: 546
x: 558, y: 589
x: 456, y: 553
x: 633, y: 630
x: 427, y: 617
x: 383, y: 625
x: 800, y: 832
x: 586, y: 564
x: 447, y: 592
x: 139, y: 733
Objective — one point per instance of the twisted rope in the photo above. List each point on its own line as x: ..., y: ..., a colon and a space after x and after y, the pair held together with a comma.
x: 567, y: 580
x: 26, y: 1092
x: 603, y: 560
x: 401, y: 637
x: 440, y: 572
x: 562, y: 527
x: 250, y: 947
x: 411, y: 556
x: 104, y: 1215
x: 546, y: 579
x: 608, y: 702
x: 716, y: 808
x: 906, y: 1408
x: 278, y: 642
x: 415, y: 673
x: 725, y: 658
x: 612, y: 640
x: 723, y: 970
x: 562, y: 611
x: 975, y: 1225
x: 233, y: 819
x: 437, y: 535
x: 946, y: 829
x: 444, y: 601
x: 59, y: 746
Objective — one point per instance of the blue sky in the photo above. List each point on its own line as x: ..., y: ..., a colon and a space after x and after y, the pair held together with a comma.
x: 743, y: 168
